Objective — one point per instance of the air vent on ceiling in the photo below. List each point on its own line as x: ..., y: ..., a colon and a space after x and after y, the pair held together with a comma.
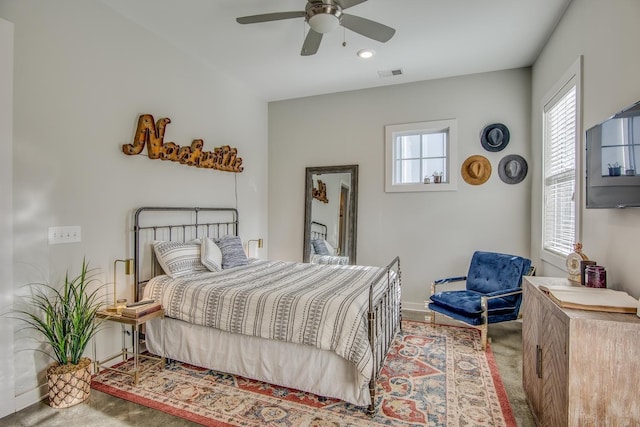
x: 391, y: 73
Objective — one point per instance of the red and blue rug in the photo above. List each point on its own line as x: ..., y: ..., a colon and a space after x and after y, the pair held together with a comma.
x: 435, y: 376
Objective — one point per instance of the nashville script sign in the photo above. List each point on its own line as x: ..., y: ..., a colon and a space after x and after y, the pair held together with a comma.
x: 151, y: 133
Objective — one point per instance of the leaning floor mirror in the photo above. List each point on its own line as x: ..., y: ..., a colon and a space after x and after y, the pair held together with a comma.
x: 330, y: 216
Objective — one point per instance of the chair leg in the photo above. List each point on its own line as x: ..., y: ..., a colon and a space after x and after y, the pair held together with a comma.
x: 433, y: 318
x: 483, y: 336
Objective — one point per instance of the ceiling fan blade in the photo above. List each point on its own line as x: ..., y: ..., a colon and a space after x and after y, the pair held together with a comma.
x: 345, y: 4
x: 266, y: 17
x: 372, y: 29
x: 311, y: 43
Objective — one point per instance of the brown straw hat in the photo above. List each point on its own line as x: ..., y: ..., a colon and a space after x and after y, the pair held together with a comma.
x: 476, y: 170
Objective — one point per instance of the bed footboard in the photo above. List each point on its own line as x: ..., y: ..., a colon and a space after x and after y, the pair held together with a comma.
x: 385, y: 318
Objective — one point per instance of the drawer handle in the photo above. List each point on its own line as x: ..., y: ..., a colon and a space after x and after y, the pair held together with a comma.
x: 538, y: 361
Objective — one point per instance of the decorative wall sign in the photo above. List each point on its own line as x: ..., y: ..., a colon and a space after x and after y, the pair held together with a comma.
x: 151, y: 133
x: 320, y: 193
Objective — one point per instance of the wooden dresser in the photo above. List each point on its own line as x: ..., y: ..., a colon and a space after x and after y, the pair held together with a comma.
x: 580, y: 368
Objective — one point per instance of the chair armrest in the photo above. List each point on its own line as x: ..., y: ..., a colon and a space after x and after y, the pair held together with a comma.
x: 484, y: 301
x: 449, y: 280
x: 446, y: 280
x: 504, y: 293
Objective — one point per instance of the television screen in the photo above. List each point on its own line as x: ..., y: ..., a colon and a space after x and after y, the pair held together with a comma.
x: 613, y: 154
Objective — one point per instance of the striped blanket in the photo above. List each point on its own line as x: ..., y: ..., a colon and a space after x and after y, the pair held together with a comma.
x: 329, y: 259
x: 319, y: 305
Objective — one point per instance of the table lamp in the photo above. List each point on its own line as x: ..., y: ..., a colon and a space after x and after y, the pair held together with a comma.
x: 128, y: 270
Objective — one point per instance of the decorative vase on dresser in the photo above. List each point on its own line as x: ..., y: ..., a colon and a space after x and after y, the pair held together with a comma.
x: 580, y: 367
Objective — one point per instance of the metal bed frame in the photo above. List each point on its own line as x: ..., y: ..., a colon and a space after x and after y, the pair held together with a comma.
x: 320, y: 231
x: 384, y: 315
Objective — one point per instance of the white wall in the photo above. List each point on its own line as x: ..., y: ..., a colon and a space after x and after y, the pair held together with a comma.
x: 83, y: 75
x: 6, y: 231
x: 435, y: 234
x: 606, y: 34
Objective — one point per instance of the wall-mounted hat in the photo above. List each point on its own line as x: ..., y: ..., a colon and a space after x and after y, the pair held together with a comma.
x: 494, y: 137
x: 476, y: 170
x: 512, y: 169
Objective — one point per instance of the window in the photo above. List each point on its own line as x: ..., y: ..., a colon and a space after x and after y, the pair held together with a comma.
x: 416, y: 151
x: 560, y: 169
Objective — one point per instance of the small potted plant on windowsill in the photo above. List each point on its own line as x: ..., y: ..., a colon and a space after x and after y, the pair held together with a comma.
x: 66, y: 319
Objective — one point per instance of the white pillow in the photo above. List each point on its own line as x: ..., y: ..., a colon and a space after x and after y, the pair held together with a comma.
x: 330, y: 248
x: 179, y: 259
x: 211, y: 255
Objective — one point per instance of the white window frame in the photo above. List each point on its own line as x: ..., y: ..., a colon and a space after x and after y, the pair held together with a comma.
x: 392, y: 131
x: 572, y: 78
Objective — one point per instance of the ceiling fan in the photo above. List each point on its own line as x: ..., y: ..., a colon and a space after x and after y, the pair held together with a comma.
x: 324, y: 16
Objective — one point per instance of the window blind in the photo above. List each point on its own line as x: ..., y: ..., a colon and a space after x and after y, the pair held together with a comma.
x: 560, y: 172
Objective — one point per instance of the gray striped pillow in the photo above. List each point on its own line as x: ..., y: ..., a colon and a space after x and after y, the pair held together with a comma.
x: 179, y: 259
x: 320, y: 247
x: 232, y: 251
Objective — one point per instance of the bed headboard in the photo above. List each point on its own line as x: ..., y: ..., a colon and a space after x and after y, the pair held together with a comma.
x: 176, y: 224
x: 318, y: 230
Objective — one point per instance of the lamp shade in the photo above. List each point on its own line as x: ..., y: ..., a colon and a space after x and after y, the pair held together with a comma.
x: 323, y: 23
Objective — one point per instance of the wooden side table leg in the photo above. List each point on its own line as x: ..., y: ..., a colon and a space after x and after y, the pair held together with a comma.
x: 96, y: 364
x: 136, y: 355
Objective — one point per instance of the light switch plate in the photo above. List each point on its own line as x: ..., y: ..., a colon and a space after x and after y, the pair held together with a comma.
x: 65, y: 234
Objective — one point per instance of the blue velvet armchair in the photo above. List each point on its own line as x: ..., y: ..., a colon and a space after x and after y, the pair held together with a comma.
x: 493, y: 292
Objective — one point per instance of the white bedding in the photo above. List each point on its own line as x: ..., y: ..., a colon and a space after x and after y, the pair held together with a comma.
x: 320, y: 306
x: 329, y: 259
x: 290, y: 365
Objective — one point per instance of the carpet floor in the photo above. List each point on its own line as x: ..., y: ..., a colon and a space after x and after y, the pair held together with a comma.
x: 432, y: 376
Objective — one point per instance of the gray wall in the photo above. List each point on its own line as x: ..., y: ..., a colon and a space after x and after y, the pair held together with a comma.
x: 83, y: 74
x: 434, y: 233
x: 606, y: 34
x: 6, y: 230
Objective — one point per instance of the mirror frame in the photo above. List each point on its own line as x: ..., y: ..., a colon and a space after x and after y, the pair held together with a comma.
x: 353, y: 207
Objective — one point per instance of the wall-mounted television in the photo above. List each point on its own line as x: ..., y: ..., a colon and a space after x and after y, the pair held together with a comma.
x: 613, y: 158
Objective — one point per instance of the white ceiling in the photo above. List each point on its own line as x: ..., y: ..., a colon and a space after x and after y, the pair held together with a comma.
x: 434, y: 39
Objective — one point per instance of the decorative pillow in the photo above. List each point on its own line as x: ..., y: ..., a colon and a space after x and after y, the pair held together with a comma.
x: 211, y: 255
x: 329, y: 248
x: 232, y: 251
x: 179, y: 259
x: 320, y: 247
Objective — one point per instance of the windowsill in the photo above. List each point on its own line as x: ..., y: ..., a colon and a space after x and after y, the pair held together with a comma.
x: 415, y: 188
x: 555, y: 260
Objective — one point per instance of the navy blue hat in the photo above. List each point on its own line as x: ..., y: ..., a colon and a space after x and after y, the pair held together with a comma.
x: 494, y: 137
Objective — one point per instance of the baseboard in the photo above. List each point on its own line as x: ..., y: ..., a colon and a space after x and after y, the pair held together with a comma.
x: 30, y: 397
x: 414, y: 306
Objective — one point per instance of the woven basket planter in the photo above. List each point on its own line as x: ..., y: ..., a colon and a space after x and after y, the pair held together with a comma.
x: 69, y: 384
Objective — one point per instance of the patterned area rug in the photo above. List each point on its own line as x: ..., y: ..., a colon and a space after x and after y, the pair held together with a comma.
x: 432, y: 376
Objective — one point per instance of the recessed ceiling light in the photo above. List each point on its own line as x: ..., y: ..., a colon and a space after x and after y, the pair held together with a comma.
x: 366, y: 53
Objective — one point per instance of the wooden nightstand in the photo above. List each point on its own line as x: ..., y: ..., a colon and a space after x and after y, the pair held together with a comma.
x: 125, y: 353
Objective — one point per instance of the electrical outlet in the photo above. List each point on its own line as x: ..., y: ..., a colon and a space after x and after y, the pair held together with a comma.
x: 67, y: 234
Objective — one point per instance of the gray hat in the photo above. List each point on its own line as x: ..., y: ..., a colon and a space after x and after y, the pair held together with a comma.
x: 512, y: 169
x: 495, y: 137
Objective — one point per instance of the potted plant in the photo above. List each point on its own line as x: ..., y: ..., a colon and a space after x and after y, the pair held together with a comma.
x: 66, y: 319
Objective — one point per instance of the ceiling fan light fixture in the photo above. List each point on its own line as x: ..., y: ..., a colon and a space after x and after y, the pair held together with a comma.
x: 366, y: 53
x: 323, y: 23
